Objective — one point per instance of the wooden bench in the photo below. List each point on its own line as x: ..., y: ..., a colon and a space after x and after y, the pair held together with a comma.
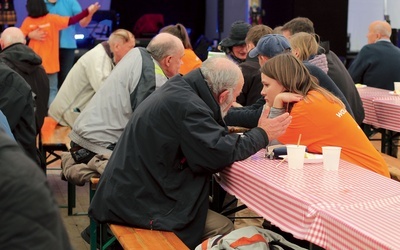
x: 53, y: 139
x: 134, y: 238
x: 394, y: 166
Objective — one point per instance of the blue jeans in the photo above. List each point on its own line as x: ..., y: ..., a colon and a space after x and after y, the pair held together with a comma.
x: 53, y: 84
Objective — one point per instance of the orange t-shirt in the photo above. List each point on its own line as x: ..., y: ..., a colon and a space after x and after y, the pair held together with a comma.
x: 323, y: 123
x: 48, y: 48
x: 190, y: 61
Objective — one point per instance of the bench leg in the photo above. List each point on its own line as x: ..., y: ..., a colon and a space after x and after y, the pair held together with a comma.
x: 71, y: 197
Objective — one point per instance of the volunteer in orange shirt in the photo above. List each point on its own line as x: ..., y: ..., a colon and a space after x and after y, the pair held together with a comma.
x: 51, y: 24
x: 190, y: 60
x: 319, y: 116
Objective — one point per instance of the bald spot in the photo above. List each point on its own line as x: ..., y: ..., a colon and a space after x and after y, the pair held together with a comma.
x: 382, y: 28
x: 12, y: 35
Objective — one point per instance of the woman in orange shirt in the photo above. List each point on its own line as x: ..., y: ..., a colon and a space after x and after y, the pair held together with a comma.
x: 51, y: 24
x: 190, y: 60
x: 319, y: 116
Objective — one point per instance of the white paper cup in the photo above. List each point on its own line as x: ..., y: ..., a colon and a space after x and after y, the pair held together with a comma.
x: 331, y: 157
x: 397, y: 87
x: 295, y: 156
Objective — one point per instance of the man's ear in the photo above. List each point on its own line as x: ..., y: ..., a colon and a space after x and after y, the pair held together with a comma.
x: 223, y: 96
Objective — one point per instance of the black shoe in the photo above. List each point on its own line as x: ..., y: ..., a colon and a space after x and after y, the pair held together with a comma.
x: 85, y: 234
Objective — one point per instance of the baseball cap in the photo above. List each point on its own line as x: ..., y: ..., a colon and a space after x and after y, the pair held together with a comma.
x: 270, y: 46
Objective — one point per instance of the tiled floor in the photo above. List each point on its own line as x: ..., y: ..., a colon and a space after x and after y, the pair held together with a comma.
x: 74, y: 224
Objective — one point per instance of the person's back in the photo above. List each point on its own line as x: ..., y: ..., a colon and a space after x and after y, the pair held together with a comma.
x: 169, y: 149
x: 136, y: 76
x: 28, y: 64
x: 87, y: 76
x: 376, y: 65
x: 16, y: 102
x: 30, y: 215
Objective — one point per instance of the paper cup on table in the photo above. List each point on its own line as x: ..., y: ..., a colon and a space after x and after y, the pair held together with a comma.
x: 331, y: 157
x: 295, y: 156
x: 397, y: 87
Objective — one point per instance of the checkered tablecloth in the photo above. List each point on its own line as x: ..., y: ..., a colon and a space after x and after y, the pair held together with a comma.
x: 352, y: 208
x: 381, y: 108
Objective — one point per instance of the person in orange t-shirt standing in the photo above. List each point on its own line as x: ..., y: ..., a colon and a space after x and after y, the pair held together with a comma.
x: 319, y: 116
x: 48, y: 48
x: 190, y: 60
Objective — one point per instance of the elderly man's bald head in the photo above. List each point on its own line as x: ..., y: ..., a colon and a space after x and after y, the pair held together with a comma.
x: 168, y: 51
x: 10, y: 36
x: 379, y: 30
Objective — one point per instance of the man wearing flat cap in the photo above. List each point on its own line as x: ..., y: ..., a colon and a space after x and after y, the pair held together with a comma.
x: 234, y: 46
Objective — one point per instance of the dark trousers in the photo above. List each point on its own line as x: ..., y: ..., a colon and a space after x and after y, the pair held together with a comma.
x: 67, y: 58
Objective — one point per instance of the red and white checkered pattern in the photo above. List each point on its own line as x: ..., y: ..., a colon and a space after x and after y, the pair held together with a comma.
x: 382, y: 109
x: 352, y: 208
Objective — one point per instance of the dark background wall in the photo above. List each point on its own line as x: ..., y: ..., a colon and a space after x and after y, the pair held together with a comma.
x: 190, y: 13
x: 329, y: 18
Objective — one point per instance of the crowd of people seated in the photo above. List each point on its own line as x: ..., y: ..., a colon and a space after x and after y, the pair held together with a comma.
x: 153, y: 121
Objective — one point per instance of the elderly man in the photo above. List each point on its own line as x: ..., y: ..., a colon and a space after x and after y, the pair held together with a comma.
x: 377, y: 63
x: 87, y: 75
x: 158, y: 176
x: 22, y: 59
x: 139, y: 73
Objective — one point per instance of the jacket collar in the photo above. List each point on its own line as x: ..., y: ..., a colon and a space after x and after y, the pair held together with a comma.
x: 196, y: 81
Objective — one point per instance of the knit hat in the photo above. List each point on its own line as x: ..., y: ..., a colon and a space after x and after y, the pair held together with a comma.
x: 270, y: 46
x: 237, y: 34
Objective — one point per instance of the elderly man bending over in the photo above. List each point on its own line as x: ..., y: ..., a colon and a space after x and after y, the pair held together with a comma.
x: 158, y: 176
x: 87, y: 76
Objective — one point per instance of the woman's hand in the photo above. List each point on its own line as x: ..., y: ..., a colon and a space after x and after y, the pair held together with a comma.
x: 286, y: 97
x: 93, y: 8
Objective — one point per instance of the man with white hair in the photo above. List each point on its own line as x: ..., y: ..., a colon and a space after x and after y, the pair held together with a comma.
x: 158, y: 176
x: 87, y: 76
x: 377, y: 64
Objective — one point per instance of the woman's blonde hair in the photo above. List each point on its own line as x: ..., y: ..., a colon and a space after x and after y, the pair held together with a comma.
x: 305, y: 44
x: 291, y: 73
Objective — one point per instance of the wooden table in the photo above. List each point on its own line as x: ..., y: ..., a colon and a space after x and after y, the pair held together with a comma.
x: 352, y: 208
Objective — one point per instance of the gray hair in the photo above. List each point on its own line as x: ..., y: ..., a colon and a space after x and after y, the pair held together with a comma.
x: 221, y: 74
x: 163, y: 45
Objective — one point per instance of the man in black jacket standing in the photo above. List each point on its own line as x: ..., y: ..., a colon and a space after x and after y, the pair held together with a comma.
x: 158, y: 175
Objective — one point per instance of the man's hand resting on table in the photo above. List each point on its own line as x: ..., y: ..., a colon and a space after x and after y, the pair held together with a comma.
x: 274, y: 127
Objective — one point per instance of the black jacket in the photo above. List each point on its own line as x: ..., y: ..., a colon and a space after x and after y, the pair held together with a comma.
x: 341, y: 77
x: 17, y: 104
x: 252, y: 87
x: 158, y: 175
x: 29, y: 214
x: 28, y: 64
